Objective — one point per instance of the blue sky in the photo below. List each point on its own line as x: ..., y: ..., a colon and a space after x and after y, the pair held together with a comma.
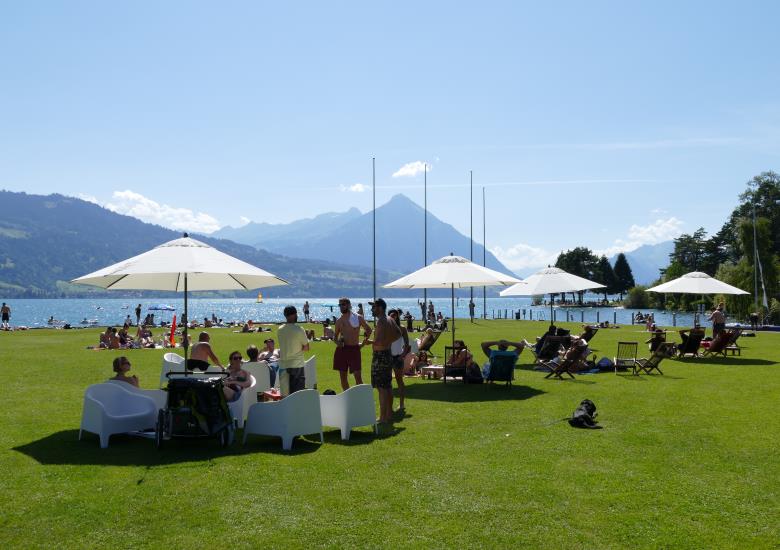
x: 603, y: 124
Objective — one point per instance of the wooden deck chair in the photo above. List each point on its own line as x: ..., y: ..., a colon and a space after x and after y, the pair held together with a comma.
x: 690, y: 345
x: 720, y: 345
x: 625, y: 358
x: 567, y: 364
x: 449, y: 370
x: 732, y: 345
x: 651, y: 363
x: 552, y: 346
x: 502, y: 368
x: 589, y: 332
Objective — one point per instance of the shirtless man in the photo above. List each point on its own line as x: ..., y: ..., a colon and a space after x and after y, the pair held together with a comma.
x: 382, y: 362
x: 6, y: 313
x: 346, y: 359
x: 201, y: 353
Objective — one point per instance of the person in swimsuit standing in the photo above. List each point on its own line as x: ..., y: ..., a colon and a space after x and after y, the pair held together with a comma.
x: 346, y: 358
x: 382, y: 362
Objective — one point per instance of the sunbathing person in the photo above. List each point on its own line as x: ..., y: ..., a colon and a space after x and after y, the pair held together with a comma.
x: 238, y: 379
x: 327, y: 331
x: 461, y: 356
x: 658, y: 338
x: 540, y: 342
x: 502, y: 349
x: 121, y: 366
x: 113, y: 339
x: 105, y: 338
x: 427, y: 339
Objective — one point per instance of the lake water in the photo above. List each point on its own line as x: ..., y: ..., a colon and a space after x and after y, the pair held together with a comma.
x: 35, y: 313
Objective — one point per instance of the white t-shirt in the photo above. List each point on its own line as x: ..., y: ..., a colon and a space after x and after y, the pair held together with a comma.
x: 291, y: 338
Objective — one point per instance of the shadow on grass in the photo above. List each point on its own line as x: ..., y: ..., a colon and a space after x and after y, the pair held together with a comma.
x: 727, y: 361
x: 458, y: 392
x: 125, y: 450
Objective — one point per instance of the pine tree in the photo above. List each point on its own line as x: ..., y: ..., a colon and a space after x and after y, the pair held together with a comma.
x: 605, y: 275
x: 624, y: 277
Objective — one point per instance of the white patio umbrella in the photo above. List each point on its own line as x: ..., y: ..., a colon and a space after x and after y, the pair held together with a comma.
x: 453, y: 272
x: 696, y: 282
x: 550, y: 280
x: 181, y: 265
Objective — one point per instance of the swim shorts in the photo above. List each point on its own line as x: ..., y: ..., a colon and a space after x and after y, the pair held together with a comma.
x: 347, y: 359
x: 193, y: 364
x: 398, y: 362
x: 382, y: 369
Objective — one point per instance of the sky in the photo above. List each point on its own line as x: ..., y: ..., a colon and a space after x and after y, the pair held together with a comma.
x: 605, y: 124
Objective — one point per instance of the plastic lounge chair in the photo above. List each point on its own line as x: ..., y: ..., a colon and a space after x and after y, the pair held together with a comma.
x: 652, y: 363
x: 566, y: 364
x: 172, y: 362
x: 690, y: 344
x: 260, y: 370
x: 160, y: 397
x: 296, y: 414
x: 310, y: 372
x: 502, y: 368
x: 349, y: 409
x: 625, y: 358
x: 109, y: 409
x: 239, y: 409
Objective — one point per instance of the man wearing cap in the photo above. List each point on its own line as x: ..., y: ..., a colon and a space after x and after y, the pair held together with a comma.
x: 346, y: 358
x: 292, y: 343
x: 382, y: 362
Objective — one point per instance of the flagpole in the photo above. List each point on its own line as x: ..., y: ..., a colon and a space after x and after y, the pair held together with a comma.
x: 425, y: 234
x: 373, y: 185
x: 471, y: 230
x: 484, y: 256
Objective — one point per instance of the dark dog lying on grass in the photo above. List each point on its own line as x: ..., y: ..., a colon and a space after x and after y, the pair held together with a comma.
x: 584, y: 416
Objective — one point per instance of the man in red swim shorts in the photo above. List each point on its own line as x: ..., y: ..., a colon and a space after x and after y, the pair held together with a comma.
x: 346, y: 359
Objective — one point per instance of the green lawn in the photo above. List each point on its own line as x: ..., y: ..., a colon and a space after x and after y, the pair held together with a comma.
x: 686, y: 460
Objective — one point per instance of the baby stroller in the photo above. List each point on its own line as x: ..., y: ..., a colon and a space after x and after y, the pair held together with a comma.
x: 196, y: 408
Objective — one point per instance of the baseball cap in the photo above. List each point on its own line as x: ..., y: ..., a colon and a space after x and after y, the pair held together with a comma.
x: 379, y: 302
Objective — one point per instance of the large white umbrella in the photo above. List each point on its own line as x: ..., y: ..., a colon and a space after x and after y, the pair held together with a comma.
x: 550, y: 280
x: 181, y: 265
x: 696, y: 282
x: 453, y: 272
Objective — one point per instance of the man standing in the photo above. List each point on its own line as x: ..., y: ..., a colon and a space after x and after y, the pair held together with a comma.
x: 306, y: 311
x: 386, y: 333
x: 346, y: 358
x: 292, y: 344
x: 201, y: 354
x: 138, y: 314
x: 5, y: 311
x: 471, y: 309
x: 423, y: 316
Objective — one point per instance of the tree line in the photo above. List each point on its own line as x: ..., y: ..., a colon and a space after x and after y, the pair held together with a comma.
x: 581, y: 261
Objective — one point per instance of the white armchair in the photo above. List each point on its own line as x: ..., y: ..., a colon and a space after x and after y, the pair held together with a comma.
x: 109, y: 409
x: 310, y: 372
x: 260, y: 371
x: 296, y: 414
x: 240, y: 408
x: 172, y: 362
x: 349, y: 409
x: 160, y: 397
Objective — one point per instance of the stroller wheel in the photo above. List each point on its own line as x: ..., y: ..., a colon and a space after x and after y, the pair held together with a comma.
x: 159, y: 434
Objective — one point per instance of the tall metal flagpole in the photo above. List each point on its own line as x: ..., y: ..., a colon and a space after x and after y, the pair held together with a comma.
x: 425, y: 234
x: 471, y: 231
x: 484, y: 256
x: 755, y: 255
x: 373, y: 185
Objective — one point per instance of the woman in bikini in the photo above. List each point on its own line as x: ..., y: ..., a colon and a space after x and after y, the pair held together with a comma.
x: 238, y: 379
x: 121, y: 367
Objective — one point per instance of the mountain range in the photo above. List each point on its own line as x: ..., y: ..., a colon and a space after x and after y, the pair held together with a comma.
x: 347, y: 237
x: 647, y: 260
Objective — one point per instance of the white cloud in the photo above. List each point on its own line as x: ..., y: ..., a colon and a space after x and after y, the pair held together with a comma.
x: 242, y: 221
x: 523, y: 256
x: 657, y: 232
x: 134, y: 204
x: 356, y: 188
x: 88, y: 198
x: 411, y: 169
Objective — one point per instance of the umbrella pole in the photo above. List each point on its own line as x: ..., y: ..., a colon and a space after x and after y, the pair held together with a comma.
x: 453, y: 314
x: 551, y: 308
x: 185, y: 341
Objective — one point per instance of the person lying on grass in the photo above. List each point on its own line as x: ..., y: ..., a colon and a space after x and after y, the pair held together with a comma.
x: 121, y: 367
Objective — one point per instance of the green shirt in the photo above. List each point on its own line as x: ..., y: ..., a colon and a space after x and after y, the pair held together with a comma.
x: 292, y: 338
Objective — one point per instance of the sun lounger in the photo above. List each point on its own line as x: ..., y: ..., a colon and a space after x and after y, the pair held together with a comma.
x: 625, y: 358
x: 651, y: 363
x: 725, y: 342
x: 567, y: 364
x: 691, y: 342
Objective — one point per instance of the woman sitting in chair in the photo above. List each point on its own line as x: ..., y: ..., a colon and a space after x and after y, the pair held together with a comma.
x: 121, y: 367
x: 238, y: 379
x: 461, y: 357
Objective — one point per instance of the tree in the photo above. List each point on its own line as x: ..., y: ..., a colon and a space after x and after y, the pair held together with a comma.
x: 624, y: 277
x: 605, y: 275
x: 579, y: 261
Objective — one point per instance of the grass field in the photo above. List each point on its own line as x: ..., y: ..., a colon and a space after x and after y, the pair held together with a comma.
x: 685, y: 460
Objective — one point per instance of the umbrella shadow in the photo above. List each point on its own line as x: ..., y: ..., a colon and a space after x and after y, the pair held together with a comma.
x: 64, y: 448
x: 458, y: 392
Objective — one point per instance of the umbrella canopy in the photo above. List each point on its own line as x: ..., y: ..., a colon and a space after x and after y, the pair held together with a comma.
x: 696, y: 282
x: 164, y: 268
x: 181, y: 265
x: 550, y: 280
x: 453, y: 272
